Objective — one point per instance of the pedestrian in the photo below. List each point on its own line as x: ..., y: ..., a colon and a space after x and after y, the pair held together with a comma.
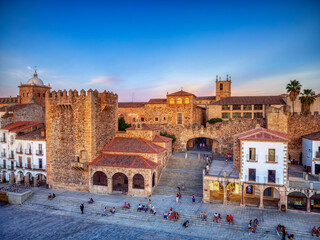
x: 193, y: 198
x: 226, y: 160
x: 180, y: 196
x: 207, y: 167
x: 183, y: 188
x: 105, y: 211
x: 81, y: 208
x: 177, y: 197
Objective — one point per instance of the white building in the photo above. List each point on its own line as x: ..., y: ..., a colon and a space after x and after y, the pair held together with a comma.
x: 23, y: 153
x: 311, y: 152
x: 264, y: 163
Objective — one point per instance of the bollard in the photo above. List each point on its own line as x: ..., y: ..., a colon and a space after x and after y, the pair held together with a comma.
x: 306, y: 177
x: 311, y: 185
x: 186, y: 156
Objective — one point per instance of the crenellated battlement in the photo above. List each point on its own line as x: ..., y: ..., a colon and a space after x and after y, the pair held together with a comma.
x: 218, y: 78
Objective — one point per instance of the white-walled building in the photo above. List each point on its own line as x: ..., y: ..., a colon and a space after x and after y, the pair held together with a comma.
x: 264, y: 163
x: 23, y: 153
x: 311, y: 152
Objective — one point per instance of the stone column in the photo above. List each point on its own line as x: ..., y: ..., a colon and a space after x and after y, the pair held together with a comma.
x: 34, y: 182
x: 243, y: 202
x: 130, y: 181
x: 261, y: 198
x: 110, y: 185
x: 308, y: 204
x: 26, y: 180
x: 225, y: 200
x: 11, y: 180
x: 17, y: 179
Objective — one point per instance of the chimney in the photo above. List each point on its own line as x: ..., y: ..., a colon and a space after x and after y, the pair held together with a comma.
x: 43, y: 132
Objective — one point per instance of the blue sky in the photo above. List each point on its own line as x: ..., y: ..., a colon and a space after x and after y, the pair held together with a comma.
x: 144, y: 49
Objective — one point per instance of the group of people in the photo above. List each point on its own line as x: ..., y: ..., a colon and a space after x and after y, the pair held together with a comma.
x: 253, y: 226
x: 171, y: 215
x: 126, y: 206
x: 90, y: 201
x: 51, y: 196
x: 230, y: 219
x: 217, y: 217
x: 203, y: 216
x: 282, y: 232
x: 147, y: 207
x: 316, y: 231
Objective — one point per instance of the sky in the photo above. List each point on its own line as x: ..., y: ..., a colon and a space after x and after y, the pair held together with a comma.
x: 144, y: 49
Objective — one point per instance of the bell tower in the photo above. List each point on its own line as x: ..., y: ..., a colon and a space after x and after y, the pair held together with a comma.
x: 223, y: 87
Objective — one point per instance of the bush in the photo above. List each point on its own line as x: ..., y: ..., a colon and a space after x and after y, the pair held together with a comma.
x: 214, y: 120
x: 165, y: 134
x: 122, y: 125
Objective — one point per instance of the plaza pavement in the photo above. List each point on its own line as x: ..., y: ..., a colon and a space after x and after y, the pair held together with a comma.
x: 61, y: 219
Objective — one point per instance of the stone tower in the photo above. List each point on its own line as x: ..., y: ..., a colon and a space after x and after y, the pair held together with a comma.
x: 223, y: 88
x: 33, y: 91
x: 77, y: 128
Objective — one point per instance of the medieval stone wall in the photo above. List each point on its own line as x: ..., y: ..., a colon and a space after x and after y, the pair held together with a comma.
x: 32, y: 112
x: 131, y: 114
x: 77, y: 128
x: 298, y: 126
x: 33, y: 94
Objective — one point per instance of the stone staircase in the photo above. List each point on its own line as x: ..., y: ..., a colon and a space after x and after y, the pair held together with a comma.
x: 187, y: 171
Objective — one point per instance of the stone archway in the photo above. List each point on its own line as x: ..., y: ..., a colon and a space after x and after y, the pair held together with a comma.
x: 216, y: 191
x: 28, y: 179
x: 234, y: 193
x: 138, y: 182
x: 315, y: 203
x: 120, y: 182
x: 202, y: 143
x: 251, y: 195
x: 297, y: 201
x: 271, y: 197
x: 99, y: 178
x: 40, y: 180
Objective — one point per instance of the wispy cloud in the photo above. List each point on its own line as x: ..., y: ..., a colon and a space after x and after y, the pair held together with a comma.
x: 105, y: 80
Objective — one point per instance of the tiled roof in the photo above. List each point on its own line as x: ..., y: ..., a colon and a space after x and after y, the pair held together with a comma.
x: 313, y: 136
x: 138, y: 145
x: 181, y: 93
x: 127, y: 161
x: 15, y: 125
x: 159, y: 138
x: 157, y: 101
x: 15, y: 107
x: 260, y: 133
x: 7, y: 115
x: 30, y: 125
x: 145, y: 127
x: 130, y: 104
x: 274, y: 100
x: 206, y: 98
x: 34, y: 135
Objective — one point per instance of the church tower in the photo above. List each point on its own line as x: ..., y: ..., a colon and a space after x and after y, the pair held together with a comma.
x: 223, y: 87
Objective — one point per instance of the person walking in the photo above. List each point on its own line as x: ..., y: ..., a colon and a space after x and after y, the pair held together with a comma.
x: 81, y: 208
x: 105, y: 211
x: 207, y: 168
x: 177, y: 197
x: 193, y: 198
x: 180, y: 196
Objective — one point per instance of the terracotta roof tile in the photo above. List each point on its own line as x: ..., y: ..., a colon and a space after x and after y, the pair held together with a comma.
x: 34, y: 135
x: 138, y: 145
x: 261, y: 133
x: 159, y: 138
x: 30, y: 125
x: 130, y: 104
x: 127, y: 161
x: 157, y: 101
x: 275, y: 100
x: 313, y: 136
x: 145, y: 127
x: 181, y: 93
x: 206, y: 98
x: 15, y: 125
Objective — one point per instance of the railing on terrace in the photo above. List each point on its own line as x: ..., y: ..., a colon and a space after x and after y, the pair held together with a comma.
x: 3, y: 154
x: 263, y: 180
x: 3, y: 140
x: 19, y: 165
x: 255, y: 158
x: 11, y: 156
x: 3, y: 166
x: 39, y: 152
x: 28, y: 152
x: 34, y: 167
x: 269, y: 159
x: 19, y: 151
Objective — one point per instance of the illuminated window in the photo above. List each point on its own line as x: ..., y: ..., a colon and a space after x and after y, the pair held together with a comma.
x: 179, y: 101
x: 171, y: 100
x: 186, y: 100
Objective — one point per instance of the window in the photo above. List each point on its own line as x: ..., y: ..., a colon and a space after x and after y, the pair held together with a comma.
x: 258, y: 107
x: 156, y: 119
x: 252, y: 174
x: 225, y: 107
x: 271, y: 176
x: 268, y: 192
x: 247, y: 107
x: 179, y: 118
x: 252, y: 154
x: 164, y: 118
x: 27, y: 94
x: 40, y: 163
x: 179, y: 101
x: 247, y: 115
x: 236, y: 107
x: 236, y: 115
x: 258, y: 115
x: 271, y: 155
x: 142, y: 119
x: 221, y: 86
x: 39, y: 95
x: 226, y: 115
x: 186, y: 100
x: 171, y: 100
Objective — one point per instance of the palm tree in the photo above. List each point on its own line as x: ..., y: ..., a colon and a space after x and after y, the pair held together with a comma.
x: 307, y: 98
x: 293, y: 88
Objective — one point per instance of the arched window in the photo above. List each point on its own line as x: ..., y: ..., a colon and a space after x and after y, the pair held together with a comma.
x: 179, y: 101
x: 221, y: 86
x: 27, y: 94
x: 153, y: 179
x: 100, y: 178
x: 138, y: 181
x: 171, y: 100
x: 186, y: 100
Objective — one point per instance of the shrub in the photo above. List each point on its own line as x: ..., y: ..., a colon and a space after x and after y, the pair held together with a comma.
x: 214, y: 120
x: 122, y: 125
x: 165, y: 134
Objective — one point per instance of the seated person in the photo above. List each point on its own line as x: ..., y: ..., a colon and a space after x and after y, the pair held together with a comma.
x: 186, y: 224
x: 90, y: 200
x: 124, y: 205
x: 219, y: 217
x: 318, y: 232
x: 165, y: 215
x: 176, y: 216
x: 215, y: 217
x: 154, y: 211
x: 172, y: 215
x: 231, y: 219
x: 129, y: 206
x: 49, y: 196
x: 113, y: 210
x: 201, y: 215
x: 291, y: 237
x: 146, y: 208
x: 205, y: 216
x: 228, y: 218
x: 53, y: 196
x: 139, y: 208
x: 256, y: 221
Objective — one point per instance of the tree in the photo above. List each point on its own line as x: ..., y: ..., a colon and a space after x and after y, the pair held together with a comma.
x: 122, y: 125
x: 169, y: 136
x: 307, y: 98
x: 293, y: 88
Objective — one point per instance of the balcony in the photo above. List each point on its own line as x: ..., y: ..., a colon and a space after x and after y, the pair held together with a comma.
x: 11, y: 156
x: 39, y: 153
x: 39, y: 167
x: 19, y: 165
x: 3, y: 166
x: 262, y: 180
x: 79, y: 165
x: 246, y: 179
x: 3, y: 154
x: 271, y: 159
x: 28, y: 152
x: 3, y: 140
x: 19, y: 151
x: 253, y: 158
